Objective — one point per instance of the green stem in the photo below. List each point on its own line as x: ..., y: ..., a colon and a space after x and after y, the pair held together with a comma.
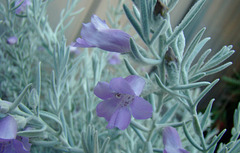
x: 150, y: 134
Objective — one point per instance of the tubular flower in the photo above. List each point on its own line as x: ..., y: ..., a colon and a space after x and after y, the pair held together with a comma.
x: 171, y: 141
x: 12, y: 40
x: 113, y: 58
x: 98, y: 34
x: 23, y: 6
x: 9, y: 141
x: 120, y: 100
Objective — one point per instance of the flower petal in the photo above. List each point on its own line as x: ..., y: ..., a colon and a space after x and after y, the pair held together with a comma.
x: 25, y: 143
x: 174, y: 150
x: 114, y: 40
x: 137, y: 83
x: 82, y: 43
x: 120, y: 119
x: 97, y: 34
x: 106, y: 109
x: 23, y: 6
x: 171, y: 138
x: 12, y: 40
x: 113, y: 58
x: 182, y: 150
x: 19, y: 147
x: 121, y: 86
x: 141, y: 109
x: 98, y: 23
x: 103, y: 90
x: 8, y: 128
x: 90, y: 34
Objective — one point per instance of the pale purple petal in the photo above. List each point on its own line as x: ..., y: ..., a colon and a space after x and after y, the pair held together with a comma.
x: 181, y: 150
x: 7, y: 147
x: 111, y: 122
x: 113, y: 58
x: 106, y: 109
x: 15, y: 146
x: 121, y: 86
x: 103, y: 90
x: 26, y: 146
x: 19, y: 148
x: 171, y: 138
x: 12, y: 40
x: 98, y: 23
x: 82, y: 43
x: 137, y: 83
x: 174, y: 150
x: 97, y: 34
x: 171, y: 141
x: 90, y: 35
x: 120, y: 119
x: 141, y: 109
x: 8, y: 128
x: 114, y: 41
x: 23, y: 6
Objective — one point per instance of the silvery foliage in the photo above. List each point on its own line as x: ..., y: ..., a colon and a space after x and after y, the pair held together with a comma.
x: 53, y: 90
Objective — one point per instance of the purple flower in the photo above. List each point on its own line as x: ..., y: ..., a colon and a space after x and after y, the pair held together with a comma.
x: 171, y: 141
x: 120, y: 100
x: 113, y: 58
x: 12, y: 40
x: 9, y: 141
x: 98, y: 34
x: 23, y: 6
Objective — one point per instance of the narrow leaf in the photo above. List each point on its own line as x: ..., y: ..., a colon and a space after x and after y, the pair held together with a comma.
x: 218, y: 69
x: 206, y: 114
x: 138, y: 133
x: 190, y: 86
x: 139, y: 126
x: 205, y: 91
x: 197, y: 77
x: 218, y: 58
x: 33, y: 133
x: 160, y: 84
x: 217, y: 139
x: 96, y: 147
x: 191, y: 47
x: 131, y: 70
x: 134, y: 23
x: 19, y: 99
x: 186, y: 20
x: 144, y: 20
x: 161, y: 28
x: 200, y: 61
x: 190, y: 139
x: 236, y: 147
x: 196, y: 51
x: 104, y: 145
x: 169, y: 114
x: 138, y: 55
x: 149, y: 147
x: 84, y: 145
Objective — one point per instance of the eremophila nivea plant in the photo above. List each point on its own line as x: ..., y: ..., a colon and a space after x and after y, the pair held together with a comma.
x: 111, y: 90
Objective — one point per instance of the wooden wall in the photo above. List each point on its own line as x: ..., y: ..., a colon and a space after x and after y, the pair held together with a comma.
x: 221, y: 17
x: 99, y: 7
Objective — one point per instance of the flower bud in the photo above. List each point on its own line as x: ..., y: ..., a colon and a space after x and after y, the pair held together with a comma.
x: 33, y: 99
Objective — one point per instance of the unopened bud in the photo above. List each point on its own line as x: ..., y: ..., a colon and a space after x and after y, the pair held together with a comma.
x: 33, y: 99
x: 21, y: 121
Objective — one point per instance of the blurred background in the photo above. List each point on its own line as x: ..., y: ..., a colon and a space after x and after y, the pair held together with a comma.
x: 221, y: 18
